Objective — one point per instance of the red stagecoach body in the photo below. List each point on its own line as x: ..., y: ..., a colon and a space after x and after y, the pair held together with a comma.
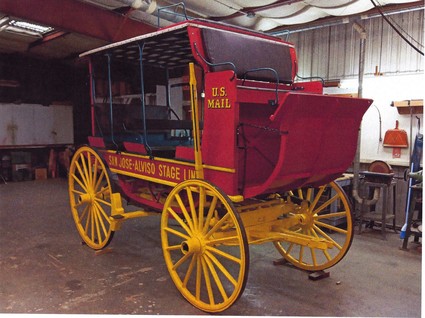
x: 205, y: 123
x: 261, y: 131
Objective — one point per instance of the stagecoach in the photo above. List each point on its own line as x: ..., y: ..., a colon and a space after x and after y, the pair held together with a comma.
x: 205, y: 124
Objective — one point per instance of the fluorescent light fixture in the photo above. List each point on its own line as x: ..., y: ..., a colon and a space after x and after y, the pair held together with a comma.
x: 31, y: 26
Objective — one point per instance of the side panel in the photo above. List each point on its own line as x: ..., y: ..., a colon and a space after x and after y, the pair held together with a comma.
x: 220, y: 121
x: 319, y: 144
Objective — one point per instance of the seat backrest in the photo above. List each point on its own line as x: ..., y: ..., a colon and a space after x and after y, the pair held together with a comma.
x: 248, y: 53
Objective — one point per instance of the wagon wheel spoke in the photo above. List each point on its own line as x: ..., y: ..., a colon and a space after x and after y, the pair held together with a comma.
x: 84, y: 172
x: 217, y: 226
x: 327, y: 220
x: 220, y: 266
x: 189, y: 270
x: 95, y: 176
x: 99, y: 181
x: 101, y: 201
x: 180, y: 222
x: 185, y: 212
x: 205, y: 246
x: 102, y: 215
x: 176, y: 233
x: 336, y: 244
x: 97, y: 223
x: 201, y: 210
x: 323, y: 206
x: 91, y: 198
x: 80, y: 182
x: 228, y: 256
x: 198, y: 280
x: 207, y: 283
x: 193, y: 218
x: 224, y: 240
x: 210, y: 214
x: 183, y: 259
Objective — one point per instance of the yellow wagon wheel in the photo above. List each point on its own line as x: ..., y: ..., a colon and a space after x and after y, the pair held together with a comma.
x: 90, y: 197
x: 205, y: 246
x: 326, y: 216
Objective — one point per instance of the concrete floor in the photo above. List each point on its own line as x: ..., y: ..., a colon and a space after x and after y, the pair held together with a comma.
x: 45, y: 269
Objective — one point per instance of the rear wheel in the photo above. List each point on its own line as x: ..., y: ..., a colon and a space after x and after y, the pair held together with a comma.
x: 91, y: 198
x: 326, y: 215
x: 205, y: 246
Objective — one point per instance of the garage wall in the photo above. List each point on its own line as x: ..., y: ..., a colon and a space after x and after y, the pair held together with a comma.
x: 35, y: 125
x: 333, y: 52
x: 381, y: 116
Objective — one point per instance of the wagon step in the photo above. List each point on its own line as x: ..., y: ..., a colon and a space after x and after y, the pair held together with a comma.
x: 256, y: 237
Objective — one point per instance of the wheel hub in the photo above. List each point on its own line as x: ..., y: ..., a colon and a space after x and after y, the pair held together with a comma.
x: 305, y: 217
x: 193, y: 245
x: 85, y: 198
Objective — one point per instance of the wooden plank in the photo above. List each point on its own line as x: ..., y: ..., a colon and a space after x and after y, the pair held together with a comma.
x: 404, y: 107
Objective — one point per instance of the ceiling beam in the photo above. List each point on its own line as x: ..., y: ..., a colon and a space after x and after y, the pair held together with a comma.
x: 76, y: 16
x: 47, y: 38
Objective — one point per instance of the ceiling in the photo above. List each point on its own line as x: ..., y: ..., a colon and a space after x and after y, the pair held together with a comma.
x: 81, y: 25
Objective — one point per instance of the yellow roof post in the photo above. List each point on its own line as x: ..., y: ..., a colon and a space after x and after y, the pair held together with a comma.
x: 199, y: 171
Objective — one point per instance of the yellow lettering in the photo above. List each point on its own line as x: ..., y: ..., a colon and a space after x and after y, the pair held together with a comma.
x: 189, y: 174
x: 214, y: 91
x: 113, y: 161
x: 223, y: 91
x: 169, y: 172
x: 211, y: 103
x: 126, y: 163
x: 192, y: 174
x: 144, y: 167
x: 219, y: 103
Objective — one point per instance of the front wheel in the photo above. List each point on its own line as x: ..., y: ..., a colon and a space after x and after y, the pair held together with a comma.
x: 327, y: 217
x: 91, y: 198
x: 205, y: 246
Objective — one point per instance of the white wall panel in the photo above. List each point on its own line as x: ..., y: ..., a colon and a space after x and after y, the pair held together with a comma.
x: 33, y: 125
x: 333, y: 52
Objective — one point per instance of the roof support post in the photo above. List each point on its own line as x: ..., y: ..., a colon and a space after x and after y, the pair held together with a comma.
x: 142, y: 100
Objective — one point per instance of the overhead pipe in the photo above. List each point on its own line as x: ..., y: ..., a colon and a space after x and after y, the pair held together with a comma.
x: 152, y: 8
x: 356, y: 165
x: 148, y: 6
x: 342, y: 20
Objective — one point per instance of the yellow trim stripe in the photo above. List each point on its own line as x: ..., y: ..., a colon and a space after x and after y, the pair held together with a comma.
x: 184, y: 163
x: 144, y: 177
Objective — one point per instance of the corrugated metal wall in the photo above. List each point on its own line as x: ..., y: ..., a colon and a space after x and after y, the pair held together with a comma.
x: 332, y: 52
